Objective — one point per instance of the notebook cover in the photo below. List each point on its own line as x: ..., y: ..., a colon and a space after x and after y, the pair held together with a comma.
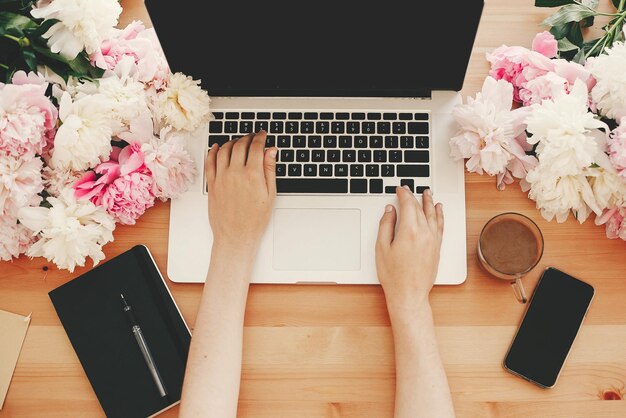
x: 12, y: 333
x: 90, y: 309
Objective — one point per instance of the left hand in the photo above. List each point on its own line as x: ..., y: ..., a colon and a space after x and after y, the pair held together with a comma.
x: 241, y: 183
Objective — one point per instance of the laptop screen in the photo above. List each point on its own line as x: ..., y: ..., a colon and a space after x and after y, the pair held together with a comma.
x: 319, y: 48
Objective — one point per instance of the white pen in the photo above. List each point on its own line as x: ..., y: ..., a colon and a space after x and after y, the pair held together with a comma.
x: 143, y: 346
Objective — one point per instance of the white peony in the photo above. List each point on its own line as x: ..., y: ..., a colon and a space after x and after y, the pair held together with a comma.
x: 55, y: 181
x: 491, y: 136
x: 609, y: 189
x: 556, y: 196
x: 82, y: 24
x: 84, y: 139
x: 609, y: 70
x: 564, y: 130
x: 69, y: 231
x: 15, y: 238
x: 125, y: 97
x: 20, y: 183
x: 182, y: 104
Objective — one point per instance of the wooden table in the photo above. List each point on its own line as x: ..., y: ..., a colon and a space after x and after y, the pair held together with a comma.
x: 326, y: 351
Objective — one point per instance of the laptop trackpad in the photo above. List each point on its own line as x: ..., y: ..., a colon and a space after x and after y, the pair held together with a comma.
x: 317, y: 239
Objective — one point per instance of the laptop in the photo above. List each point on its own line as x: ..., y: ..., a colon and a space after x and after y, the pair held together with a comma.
x: 358, y: 99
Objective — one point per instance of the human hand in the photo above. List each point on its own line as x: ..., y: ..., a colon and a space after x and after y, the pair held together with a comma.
x: 241, y: 183
x: 407, y: 258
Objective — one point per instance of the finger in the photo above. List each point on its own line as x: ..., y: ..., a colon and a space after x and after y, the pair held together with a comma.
x: 386, y: 227
x: 210, y: 167
x: 269, y: 167
x: 429, y: 207
x: 224, y: 155
x: 256, y: 152
x: 240, y: 151
x: 407, y: 218
x: 440, y: 220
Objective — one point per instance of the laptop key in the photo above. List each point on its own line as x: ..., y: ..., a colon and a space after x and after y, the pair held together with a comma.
x: 358, y: 186
x: 383, y: 127
x: 391, y: 141
x: 215, y: 127
x: 421, y: 189
x: 245, y: 127
x: 317, y: 156
x: 276, y: 127
x: 218, y: 115
x: 353, y: 127
x: 287, y: 155
x: 342, y: 116
x: 327, y: 116
x: 333, y: 156
x: 395, y: 156
x: 405, y: 116
x: 284, y: 141
x: 415, y: 156
x: 322, y: 127
x: 261, y: 126
x: 341, y: 170
x: 299, y: 141
x: 371, y: 170
x: 294, y: 170
x: 218, y: 139
x: 413, y: 170
x: 310, y: 170
x: 380, y: 156
x: 406, y: 141
x: 376, y: 185
x: 358, y: 116
x: 247, y: 115
x: 281, y: 170
x: 310, y: 116
x: 390, y: 189
x: 345, y: 142
x: 337, y: 127
x: 421, y: 142
x: 374, y: 116
x: 356, y: 170
x: 369, y: 127
x: 295, y: 115
x: 399, y: 128
x: 270, y: 141
x: 421, y: 116
x: 232, y: 115
x: 388, y: 170
x: 231, y: 127
x: 330, y: 141
x: 326, y: 170
x: 303, y: 155
x: 279, y: 115
x: 390, y: 116
x: 264, y: 115
x: 360, y: 141
x: 407, y: 182
x: 364, y: 156
x: 291, y: 127
x: 418, y: 128
x: 348, y: 156
x: 307, y: 127
x: 376, y: 141
x: 304, y: 185
x: 315, y: 141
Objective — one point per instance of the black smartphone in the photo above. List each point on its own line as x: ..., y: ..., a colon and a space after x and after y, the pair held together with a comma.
x: 552, y: 320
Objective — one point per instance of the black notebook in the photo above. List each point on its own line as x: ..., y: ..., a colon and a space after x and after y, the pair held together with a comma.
x: 91, y: 311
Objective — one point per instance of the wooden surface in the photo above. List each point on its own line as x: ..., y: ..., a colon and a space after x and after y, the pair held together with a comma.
x: 326, y: 351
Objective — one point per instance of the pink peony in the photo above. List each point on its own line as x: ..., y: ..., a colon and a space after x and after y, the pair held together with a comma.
x: 15, y: 238
x: 617, y: 148
x: 128, y: 197
x: 518, y: 65
x: 20, y: 184
x: 615, y: 221
x: 142, y: 46
x: 545, y: 44
x: 171, y: 166
x: 27, y: 117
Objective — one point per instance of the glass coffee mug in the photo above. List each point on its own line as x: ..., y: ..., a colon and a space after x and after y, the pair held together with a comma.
x: 510, y: 245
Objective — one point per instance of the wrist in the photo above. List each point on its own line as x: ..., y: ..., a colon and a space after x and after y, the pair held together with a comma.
x: 409, y: 311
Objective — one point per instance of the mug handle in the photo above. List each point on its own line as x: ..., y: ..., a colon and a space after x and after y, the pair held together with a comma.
x: 518, y: 289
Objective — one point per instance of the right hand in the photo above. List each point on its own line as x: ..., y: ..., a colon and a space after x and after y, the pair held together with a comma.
x: 407, y: 259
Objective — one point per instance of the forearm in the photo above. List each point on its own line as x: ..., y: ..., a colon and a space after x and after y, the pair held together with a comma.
x: 211, y: 386
x: 421, y: 384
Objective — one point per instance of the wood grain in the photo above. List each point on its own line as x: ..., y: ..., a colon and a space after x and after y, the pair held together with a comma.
x: 326, y: 351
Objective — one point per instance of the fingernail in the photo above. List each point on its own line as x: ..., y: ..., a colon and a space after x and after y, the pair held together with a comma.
x: 428, y: 191
x: 406, y: 187
x: 388, y: 208
x: 273, y: 152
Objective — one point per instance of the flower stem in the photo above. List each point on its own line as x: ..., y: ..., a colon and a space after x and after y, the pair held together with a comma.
x: 6, y: 67
x: 21, y: 41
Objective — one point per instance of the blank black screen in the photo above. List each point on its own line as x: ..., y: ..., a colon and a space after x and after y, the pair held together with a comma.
x: 319, y: 48
x: 549, y: 327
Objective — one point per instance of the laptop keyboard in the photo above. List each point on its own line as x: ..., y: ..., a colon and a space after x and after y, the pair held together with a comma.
x: 338, y: 152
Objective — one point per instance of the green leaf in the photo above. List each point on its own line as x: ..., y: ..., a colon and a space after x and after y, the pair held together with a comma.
x: 561, y: 31
x: 616, y: 3
x: 569, y: 13
x: 579, y: 57
x: 30, y: 59
x: 552, y: 3
x: 565, y: 45
x: 15, y: 24
x: 587, y: 22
